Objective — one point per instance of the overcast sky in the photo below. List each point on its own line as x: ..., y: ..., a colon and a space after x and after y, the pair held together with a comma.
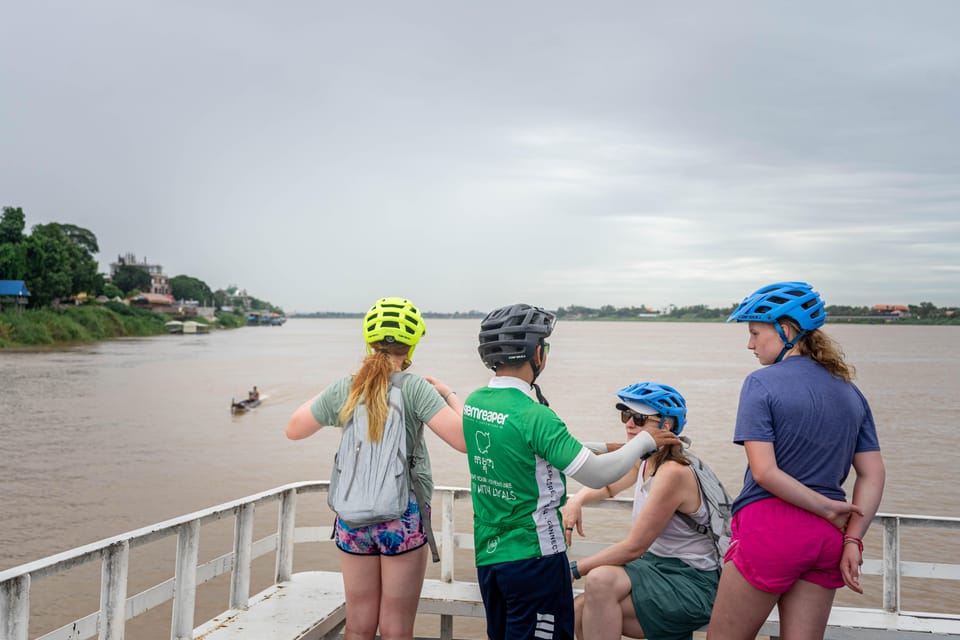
x: 469, y: 155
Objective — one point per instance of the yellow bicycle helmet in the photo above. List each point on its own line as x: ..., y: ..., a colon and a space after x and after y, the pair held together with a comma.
x: 394, y: 320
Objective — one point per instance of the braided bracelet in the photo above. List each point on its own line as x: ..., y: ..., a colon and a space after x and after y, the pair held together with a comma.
x: 856, y: 541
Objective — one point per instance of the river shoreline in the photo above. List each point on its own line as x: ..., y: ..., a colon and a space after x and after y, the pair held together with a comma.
x: 43, y: 329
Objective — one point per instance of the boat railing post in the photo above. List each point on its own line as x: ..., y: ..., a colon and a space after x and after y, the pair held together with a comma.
x: 185, y: 581
x: 15, y: 607
x: 113, y: 590
x: 285, y: 531
x: 242, y: 556
x: 891, y: 564
x: 446, y: 542
x: 448, y: 551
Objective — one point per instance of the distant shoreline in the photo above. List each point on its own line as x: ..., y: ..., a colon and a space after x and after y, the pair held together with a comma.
x: 478, y: 316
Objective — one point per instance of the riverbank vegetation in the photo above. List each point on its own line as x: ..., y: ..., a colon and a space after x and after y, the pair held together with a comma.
x: 90, y: 323
x: 69, y: 301
x: 77, y: 325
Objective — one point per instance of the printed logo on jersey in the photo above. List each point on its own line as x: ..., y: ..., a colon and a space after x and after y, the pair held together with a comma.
x: 492, y: 544
x: 483, y: 441
x: 483, y: 446
x: 483, y: 415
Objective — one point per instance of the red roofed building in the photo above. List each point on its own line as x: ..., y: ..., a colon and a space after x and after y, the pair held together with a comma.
x: 897, y: 310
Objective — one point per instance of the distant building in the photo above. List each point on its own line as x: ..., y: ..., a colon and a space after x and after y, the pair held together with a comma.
x: 159, y: 302
x: 895, y: 310
x: 159, y: 282
x: 13, y: 293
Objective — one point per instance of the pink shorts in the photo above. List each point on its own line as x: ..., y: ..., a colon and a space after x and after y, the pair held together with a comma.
x: 386, y: 538
x: 775, y: 544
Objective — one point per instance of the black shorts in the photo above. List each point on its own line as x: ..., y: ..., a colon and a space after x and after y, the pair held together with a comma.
x: 528, y: 599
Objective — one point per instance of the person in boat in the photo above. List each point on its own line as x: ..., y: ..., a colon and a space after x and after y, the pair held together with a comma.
x: 803, y: 424
x: 661, y: 579
x: 384, y: 564
x: 520, y: 452
x: 254, y: 395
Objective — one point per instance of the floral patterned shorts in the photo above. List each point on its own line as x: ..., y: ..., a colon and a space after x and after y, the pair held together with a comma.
x: 385, y: 538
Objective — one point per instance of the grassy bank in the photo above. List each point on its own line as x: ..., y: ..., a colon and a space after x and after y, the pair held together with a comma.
x: 75, y: 325
x: 89, y: 323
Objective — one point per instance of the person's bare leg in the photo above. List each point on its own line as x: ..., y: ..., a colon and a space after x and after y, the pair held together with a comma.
x: 604, y: 589
x: 804, y: 610
x: 631, y: 626
x: 740, y: 608
x: 578, y: 616
x: 402, y: 582
x: 361, y: 582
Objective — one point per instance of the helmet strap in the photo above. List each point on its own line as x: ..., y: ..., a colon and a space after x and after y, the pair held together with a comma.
x: 536, y: 373
x: 787, y: 344
x: 540, y: 396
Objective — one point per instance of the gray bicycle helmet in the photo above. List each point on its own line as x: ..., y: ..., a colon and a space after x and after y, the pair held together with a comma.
x: 510, y: 335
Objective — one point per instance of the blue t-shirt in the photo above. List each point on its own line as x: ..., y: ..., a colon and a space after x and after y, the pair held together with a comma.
x: 816, y: 422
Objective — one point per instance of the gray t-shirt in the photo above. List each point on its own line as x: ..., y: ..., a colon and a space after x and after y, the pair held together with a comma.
x: 420, y: 403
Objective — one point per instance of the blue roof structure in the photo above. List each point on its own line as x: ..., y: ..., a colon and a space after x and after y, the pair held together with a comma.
x: 13, y: 288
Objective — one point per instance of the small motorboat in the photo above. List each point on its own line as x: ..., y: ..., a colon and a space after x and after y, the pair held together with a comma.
x: 243, y: 405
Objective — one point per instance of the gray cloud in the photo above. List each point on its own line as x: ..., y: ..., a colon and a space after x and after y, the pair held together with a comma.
x: 323, y: 155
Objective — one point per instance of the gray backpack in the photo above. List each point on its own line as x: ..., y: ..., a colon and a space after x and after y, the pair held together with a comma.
x: 371, y: 481
x: 719, y: 506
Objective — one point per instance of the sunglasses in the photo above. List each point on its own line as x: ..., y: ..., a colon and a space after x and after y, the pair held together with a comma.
x: 546, y: 348
x: 639, y: 419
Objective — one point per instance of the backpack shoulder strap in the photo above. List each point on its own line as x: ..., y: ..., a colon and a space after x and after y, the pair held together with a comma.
x: 396, y: 380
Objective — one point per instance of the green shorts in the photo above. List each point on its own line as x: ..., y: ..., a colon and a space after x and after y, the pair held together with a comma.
x: 671, y: 598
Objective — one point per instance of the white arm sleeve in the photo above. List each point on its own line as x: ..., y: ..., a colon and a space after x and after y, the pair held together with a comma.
x: 597, y: 471
x: 596, y: 447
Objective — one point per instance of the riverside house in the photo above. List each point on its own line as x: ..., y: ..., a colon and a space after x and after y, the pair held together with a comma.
x: 13, y: 293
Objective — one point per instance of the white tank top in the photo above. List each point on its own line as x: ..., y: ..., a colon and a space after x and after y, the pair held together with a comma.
x: 678, y: 540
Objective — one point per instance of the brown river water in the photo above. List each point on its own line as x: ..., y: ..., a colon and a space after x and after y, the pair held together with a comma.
x: 101, y: 439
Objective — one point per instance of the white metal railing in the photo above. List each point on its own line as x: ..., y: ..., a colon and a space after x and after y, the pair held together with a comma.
x: 116, y: 607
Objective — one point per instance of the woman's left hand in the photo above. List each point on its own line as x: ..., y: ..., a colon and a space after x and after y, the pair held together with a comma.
x: 850, y: 563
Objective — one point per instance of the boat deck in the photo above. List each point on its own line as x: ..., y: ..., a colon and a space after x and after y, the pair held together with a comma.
x: 310, y: 605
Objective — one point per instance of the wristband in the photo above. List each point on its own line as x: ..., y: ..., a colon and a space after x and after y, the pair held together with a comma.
x: 574, y: 570
x: 856, y: 541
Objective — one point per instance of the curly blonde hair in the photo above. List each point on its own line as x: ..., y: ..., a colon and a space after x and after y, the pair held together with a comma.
x: 371, y: 385
x: 823, y: 349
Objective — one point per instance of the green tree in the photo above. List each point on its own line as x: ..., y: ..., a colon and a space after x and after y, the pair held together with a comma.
x: 12, y: 225
x: 924, y: 311
x: 79, y: 245
x: 13, y: 257
x: 112, y: 291
x: 48, y: 278
x: 189, y: 288
x: 129, y: 277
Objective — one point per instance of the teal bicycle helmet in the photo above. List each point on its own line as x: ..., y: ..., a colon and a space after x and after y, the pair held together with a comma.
x: 795, y: 300
x: 666, y: 400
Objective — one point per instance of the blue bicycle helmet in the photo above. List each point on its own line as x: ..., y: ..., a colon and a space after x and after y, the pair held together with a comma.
x: 795, y: 300
x: 666, y: 400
